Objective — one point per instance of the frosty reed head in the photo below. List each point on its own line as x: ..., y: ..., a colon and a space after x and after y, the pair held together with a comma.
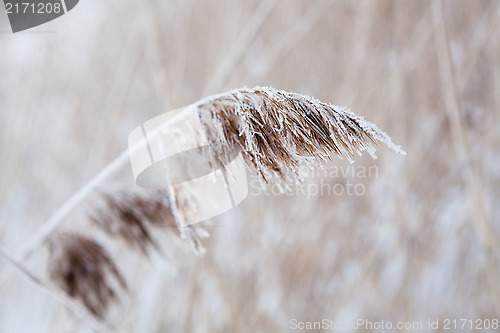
x: 281, y: 133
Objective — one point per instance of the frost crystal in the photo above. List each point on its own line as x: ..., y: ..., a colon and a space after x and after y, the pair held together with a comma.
x: 282, y: 133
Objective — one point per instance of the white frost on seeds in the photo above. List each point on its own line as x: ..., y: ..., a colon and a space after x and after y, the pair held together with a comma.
x: 280, y: 133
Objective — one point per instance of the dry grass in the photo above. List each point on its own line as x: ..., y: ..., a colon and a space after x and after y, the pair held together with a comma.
x: 420, y: 243
x: 128, y: 214
x: 281, y: 133
x: 83, y: 270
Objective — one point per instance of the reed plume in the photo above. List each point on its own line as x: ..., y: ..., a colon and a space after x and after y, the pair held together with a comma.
x: 83, y: 270
x: 279, y: 132
x: 127, y: 214
x: 132, y: 215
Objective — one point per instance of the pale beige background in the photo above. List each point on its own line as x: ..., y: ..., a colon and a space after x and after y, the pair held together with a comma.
x: 413, y: 248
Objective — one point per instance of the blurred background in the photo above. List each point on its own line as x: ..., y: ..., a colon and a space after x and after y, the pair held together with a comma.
x: 420, y: 243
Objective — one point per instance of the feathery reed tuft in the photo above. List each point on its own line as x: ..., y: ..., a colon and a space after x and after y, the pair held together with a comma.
x: 127, y: 213
x: 280, y: 132
x: 130, y: 214
x: 83, y: 270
